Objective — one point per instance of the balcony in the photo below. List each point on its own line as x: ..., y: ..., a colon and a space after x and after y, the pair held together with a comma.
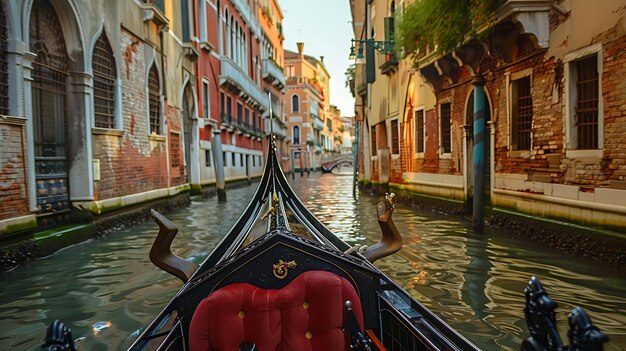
x: 315, y: 87
x: 388, y: 63
x: 248, y: 17
x: 318, y: 123
x: 278, y: 127
x: 232, y: 76
x: 154, y: 11
x: 273, y: 74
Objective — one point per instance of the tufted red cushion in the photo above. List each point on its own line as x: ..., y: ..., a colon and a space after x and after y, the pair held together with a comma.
x: 306, y: 314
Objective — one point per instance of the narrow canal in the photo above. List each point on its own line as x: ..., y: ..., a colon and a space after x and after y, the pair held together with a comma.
x: 473, y: 282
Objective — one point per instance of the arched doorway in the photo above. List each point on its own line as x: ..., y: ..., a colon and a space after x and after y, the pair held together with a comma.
x: 188, y: 111
x: 469, y: 120
x: 49, y: 108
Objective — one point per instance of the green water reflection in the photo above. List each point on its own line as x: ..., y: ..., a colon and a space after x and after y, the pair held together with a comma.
x: 473, y: 282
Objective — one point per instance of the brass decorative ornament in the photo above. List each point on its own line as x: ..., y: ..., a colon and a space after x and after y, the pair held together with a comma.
x: 281, y: 269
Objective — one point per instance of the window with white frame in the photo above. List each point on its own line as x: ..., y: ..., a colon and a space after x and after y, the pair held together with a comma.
x: 154, y: 97
x: 584, y: 116
x: 445, y: 114
x: 203, y: 22
x: 521, y: 113
x: 419, y: 131
x: 104, y: 76
x: 584, y: 103
x: 296, y: 135
x: 206, y: 104
x: 295, y: 104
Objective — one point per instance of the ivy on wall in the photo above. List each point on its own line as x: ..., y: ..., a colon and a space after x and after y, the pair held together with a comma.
x: 441, y: 25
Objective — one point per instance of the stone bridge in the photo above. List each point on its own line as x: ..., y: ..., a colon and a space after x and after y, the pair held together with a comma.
x: 328, y: 163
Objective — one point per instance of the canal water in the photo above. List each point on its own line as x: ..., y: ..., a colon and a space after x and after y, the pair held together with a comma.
x: 107, y: 289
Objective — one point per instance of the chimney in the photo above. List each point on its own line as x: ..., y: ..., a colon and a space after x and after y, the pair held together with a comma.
x: 300, y: 49
x: 322, y: 59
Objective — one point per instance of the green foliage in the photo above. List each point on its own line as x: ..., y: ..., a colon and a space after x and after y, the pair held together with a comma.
x: 442, y: 24
x: 350, y: 72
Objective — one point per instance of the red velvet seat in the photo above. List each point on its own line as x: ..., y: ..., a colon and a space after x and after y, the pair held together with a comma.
x: 306, y: 314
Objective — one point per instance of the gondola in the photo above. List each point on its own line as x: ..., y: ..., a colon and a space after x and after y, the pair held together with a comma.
x: 280, y: 280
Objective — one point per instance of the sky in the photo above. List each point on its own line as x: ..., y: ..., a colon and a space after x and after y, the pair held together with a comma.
x: 325, y: 28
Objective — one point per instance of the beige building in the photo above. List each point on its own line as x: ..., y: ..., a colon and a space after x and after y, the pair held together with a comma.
x: 307, y: 89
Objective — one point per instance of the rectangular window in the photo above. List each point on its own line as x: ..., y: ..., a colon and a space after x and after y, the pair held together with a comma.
x: 446, y: 143
x: 224, y: 158
x: 419, y: 131
x: 207, y: 158
x: 241, y: 160
x: 254, y: 120
x: 175, y: 154
x: 253, y: 161
x: 222, y: 110
x: 229, y: 109
x: 522, y: 114
x: 395, y: 138
x: 205, y: 99
x: 247, y: 118
x: 239, y: 113
x: 373, y: 140
x: 187, y: 31
x: 203, y: 21
x: 586, y: 105
x: 232, y: 159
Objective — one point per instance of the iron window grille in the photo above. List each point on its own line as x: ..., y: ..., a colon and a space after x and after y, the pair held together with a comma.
x: 522, y: 114
x: 154, y: 100
x: 373, y: 140
x: 419, y: 131
x: 446, y: 144
x: 395, y: 138
x: 104, y: 73
x: 587, y: 103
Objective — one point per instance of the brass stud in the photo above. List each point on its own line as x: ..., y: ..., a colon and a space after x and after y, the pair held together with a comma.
x: 242, y: 314
x: 305, y: 305
x: 308, y: 335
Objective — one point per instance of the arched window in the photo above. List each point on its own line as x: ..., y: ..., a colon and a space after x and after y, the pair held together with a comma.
x: 49, y: 89
x: 296, y: 135
x: 227, y: 36
x: 295, y: 104
x: 231, y: 54
x: 104, y: 75
x: 154, y: 99
x: 4, y: 66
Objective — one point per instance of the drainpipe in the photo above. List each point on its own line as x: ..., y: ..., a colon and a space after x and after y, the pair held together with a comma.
x: 216, y: 147
x: 479, y: 154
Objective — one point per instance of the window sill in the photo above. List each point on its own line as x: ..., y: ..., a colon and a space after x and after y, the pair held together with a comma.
x: 446, y: 156
x: 156, y: 137
x: 107, y: 131
x: 206, y: 46
x: 584, y: 154
x: 519, y: 154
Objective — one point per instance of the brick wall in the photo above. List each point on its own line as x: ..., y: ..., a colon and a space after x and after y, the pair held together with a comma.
x: 13, y: 178
x: 613, y: 166
x: 133, y: 162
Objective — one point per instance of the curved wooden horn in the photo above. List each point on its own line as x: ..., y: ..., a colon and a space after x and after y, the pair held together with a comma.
x: 161, y: 254
x: 391, y: 241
